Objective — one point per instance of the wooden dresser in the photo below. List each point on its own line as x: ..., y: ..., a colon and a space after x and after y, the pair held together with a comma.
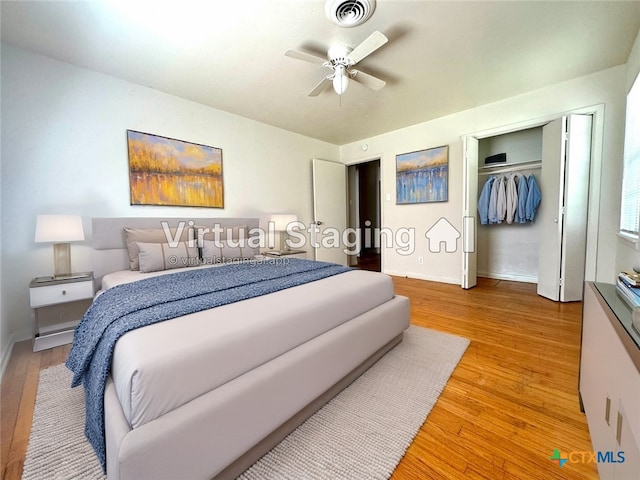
x: 610, y: 381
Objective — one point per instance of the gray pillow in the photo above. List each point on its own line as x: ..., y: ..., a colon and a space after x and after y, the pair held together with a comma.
x: 134, y: 235
x: 154, y: 257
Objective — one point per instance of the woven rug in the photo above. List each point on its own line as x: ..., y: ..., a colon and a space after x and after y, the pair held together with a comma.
x: 362, y: 433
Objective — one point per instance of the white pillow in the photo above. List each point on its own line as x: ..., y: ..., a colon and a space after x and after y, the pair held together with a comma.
x: 154, y: 257
x: 222, y: 252
x: 135, y: 235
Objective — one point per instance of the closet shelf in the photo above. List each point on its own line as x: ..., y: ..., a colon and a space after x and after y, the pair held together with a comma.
x: 509, y: 167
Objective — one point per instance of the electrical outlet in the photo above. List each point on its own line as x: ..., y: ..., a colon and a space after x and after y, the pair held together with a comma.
x: 420, y: 260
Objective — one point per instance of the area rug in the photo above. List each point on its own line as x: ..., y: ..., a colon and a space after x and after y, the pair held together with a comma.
x: 362, y: 433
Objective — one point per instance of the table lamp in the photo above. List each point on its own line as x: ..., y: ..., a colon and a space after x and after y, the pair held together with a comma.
x: 280, y: 223
x: 60, y: 230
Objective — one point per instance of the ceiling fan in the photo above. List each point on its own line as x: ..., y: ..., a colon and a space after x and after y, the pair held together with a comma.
x: 340, y: 59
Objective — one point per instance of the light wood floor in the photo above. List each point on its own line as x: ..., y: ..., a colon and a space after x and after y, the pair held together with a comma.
x: 511, y: 401
x: 513, y: 397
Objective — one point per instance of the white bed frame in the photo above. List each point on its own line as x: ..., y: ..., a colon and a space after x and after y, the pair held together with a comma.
x: 223, y: 432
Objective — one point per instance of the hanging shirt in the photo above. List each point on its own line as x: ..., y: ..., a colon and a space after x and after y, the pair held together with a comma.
x: 501, y: 203
x: 483, y: 201
x: 523, y: 191
x: 512, y: 198
x: 493, y: 202
x: 533, y: 198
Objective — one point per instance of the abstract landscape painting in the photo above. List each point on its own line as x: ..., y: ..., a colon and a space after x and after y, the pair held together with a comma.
x: 165, y: 171
x: 422, y: 176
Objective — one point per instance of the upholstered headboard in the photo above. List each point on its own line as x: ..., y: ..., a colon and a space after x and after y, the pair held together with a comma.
x: 109, y: 244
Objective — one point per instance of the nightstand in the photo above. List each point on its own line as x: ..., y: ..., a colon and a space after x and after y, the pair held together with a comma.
x: 58, y: 305
x: 286, y: 254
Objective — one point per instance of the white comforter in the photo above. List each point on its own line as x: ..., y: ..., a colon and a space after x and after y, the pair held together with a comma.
x: 163, y: 366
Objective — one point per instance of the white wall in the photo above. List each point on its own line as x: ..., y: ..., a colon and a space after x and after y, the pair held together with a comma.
x: 64, y: 151
x: 606, y: 87
x: 628, y: 255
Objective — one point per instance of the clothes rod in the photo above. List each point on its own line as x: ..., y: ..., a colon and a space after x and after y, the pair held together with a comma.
x: 514, y: 167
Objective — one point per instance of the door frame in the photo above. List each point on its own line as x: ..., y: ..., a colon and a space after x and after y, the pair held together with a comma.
x: 372, y: 158
x: 597, y: 138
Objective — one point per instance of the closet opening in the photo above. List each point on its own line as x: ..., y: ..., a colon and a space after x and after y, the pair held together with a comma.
x: 508, y: 240
x: 526, y: 204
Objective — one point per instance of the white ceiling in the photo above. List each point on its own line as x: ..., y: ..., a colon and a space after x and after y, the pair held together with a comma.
x: 442, y: 57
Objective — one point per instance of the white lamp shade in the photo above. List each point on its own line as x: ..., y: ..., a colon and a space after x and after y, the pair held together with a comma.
x: 59, y: 228
x: 340, y: 80
x: 280, y: 222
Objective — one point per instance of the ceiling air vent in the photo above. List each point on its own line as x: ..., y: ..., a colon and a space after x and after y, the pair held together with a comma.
x: 349, y: 13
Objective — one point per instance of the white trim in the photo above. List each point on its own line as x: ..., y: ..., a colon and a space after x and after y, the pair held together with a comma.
x: 6, y: 355
x: 380, y: 206
x: 630, y: 240
x: 595, y: 179
x: 509, y: 277
x: 370, y: 157
x: 419, y: 276
x: 597, y: 135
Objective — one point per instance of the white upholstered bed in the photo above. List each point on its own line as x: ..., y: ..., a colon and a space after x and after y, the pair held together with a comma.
x: 206, y: 394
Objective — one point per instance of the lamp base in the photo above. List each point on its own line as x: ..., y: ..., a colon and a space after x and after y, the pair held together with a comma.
x: 284, y: 245
x: 61, y: 259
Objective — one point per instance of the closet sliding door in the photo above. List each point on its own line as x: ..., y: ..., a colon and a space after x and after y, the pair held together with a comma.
x: 564, y: 184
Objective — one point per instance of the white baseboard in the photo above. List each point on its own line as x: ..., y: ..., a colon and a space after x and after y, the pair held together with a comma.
x: 509, y: 277
x: 6, y: 355
x: 419, y: 276
x: 6, y: 352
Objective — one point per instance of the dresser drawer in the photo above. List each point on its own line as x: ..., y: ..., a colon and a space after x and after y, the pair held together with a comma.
x: 61, y: 293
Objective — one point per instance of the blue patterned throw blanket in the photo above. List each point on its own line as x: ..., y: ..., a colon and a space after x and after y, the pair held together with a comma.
x: 151, y: 300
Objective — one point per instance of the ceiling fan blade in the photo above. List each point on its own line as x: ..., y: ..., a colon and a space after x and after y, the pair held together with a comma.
x: 370, y: 45
x: 322, y: 84
x: 305, y: 57
x: 367, y: 80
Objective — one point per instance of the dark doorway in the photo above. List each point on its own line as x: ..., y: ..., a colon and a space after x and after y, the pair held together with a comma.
x: 364, y: 209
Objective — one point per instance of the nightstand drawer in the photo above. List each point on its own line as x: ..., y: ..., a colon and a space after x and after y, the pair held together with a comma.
x: 61, y: 293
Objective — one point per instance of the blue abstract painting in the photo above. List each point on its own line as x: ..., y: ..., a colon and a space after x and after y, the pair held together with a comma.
x: 422, y: 176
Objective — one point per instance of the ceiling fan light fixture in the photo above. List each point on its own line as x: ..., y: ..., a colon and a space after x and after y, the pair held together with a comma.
x: 340, y: 59
x: 340, y: 79
x: 349, y: 13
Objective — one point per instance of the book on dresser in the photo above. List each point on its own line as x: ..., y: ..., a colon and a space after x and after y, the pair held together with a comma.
x: 631, y: 295
x: 631, y: 279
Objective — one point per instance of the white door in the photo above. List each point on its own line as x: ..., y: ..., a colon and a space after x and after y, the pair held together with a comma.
x: 329, y: 211
x: 576, y: 207
x: 470, y: 213
x: 564, y: 185
x: 549, y: 213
